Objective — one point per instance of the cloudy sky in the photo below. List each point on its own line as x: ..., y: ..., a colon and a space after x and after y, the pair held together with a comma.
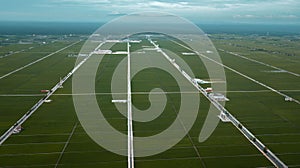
x: 249, y: 11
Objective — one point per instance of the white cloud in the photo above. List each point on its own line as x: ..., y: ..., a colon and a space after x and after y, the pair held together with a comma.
x: 85, y: 1
x: 237, y: 9
x: 116, y: 13
x: 248, y: 16
x: 166, y: 4
x: 289, y: 16
x: 184, y: 3
x: 245, y: 16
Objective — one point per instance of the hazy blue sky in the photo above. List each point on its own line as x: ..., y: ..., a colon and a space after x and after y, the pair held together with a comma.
x: 263, y: 11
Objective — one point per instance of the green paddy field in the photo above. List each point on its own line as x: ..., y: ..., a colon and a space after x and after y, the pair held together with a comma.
x: 53, y: 136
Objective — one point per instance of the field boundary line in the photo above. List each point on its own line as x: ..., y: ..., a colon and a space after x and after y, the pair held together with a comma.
x: 66, y: 144
x: 259, y: 62
x: 190, y: 138
x: 38, y: 60
x: 34, y: 143
x: 193, y: 146
x: 139, y: 93
x: 17, y: 52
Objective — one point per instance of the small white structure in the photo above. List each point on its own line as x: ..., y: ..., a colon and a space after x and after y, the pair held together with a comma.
x: 200, y: 81
x: 209, y: 52
x: 72, y: 55
x: 83, y: 55
x: 120, y: 52
x: 48, y: 101
x: 218, y: 97
x: 188, y: 53
x: 119, y: 101
x: 17, y: 130
x: 131, y: 41
x: 135, y: 41
x: 223, y: 117
x: 102, y: 52
x: 288, y: 99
